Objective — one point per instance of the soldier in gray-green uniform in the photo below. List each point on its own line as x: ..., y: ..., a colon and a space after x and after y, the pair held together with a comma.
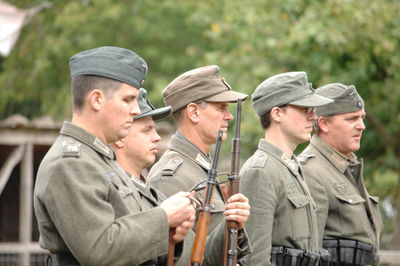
x: 138, y: 151
x: 88, y: 210
x: 349, y: 221
x: 199, y: 99
x: 282, y: 226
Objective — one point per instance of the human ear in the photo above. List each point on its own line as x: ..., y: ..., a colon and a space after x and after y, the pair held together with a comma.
x: 119, y: 144
x: 323, y: 124
x: 96, y: 97
x: 276, y: 114
x: 193, y: 112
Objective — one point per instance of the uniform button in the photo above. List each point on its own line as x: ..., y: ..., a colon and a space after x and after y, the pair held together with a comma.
x: 213, y: 206
x: 350, y: 200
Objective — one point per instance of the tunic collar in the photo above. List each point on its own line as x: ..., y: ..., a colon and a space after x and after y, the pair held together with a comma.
x: 181, y: 144
x: 92, y: 141
x: 338, y: 160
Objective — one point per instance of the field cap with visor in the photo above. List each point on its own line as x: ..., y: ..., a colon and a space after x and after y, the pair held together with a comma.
x: 204, y: 83
x: 286, y: 88
x: 147, y: 109
x: 346, y: 99
x: 110, y: 62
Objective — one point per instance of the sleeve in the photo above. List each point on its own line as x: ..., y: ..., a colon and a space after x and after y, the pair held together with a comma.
x: 320, y: 196
x: 257, y: 186
x: 80, y: 203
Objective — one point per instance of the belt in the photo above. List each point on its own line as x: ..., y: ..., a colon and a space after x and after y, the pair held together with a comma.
x: 284, y: 256
x: 344, y: 251
x: 62, y: 259
x: 67, y: 259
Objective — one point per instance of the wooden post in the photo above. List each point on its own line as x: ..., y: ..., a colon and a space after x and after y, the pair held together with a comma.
x: 25, y: 211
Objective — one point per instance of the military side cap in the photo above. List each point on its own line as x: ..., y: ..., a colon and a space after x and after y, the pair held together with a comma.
x: 285, y: 88
x: 204, y: 83
x: 346, y: 99
x: 147, y: 109
x: 110, y: 62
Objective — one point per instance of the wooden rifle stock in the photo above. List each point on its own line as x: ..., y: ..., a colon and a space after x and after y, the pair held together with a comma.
x: 171, y: 247
x: 231, y: 237
x: 205, y: 210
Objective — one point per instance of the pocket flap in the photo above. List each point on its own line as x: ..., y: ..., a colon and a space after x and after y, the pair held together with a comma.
x: 374, y: 199
x: 350, y: 198
x: 299, y: 200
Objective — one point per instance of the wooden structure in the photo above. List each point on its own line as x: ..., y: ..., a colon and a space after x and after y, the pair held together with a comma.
x: 23, y: 144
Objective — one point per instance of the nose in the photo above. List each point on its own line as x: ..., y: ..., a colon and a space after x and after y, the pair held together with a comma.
x: 228, y: 115
x: 313, y: 115
x: 156, y: 137
x: 134, y: 110
x: 360, y: 125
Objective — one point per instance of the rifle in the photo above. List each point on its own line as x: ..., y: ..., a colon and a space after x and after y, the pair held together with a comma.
x: 205, y: 210
x: 231, y: 236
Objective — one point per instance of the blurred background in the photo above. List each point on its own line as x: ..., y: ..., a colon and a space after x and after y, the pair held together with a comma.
x: 346, y: 41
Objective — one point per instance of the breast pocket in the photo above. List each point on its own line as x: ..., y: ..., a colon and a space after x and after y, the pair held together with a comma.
x: 376, y: 213
x: 300, y: 219
x: 351, y: 213
x: 129, y: 198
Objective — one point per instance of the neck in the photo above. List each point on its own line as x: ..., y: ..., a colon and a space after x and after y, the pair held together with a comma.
x: 88, y: 123
x: 193, y: 136
x: 128, y: 165
x: 280, y: 140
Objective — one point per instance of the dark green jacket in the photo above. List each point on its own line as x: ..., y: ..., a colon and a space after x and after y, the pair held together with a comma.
x: 282, y: 211
x: 337, y: 185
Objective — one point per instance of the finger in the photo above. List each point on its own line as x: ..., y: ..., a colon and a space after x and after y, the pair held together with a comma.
x: 238, y: 197
x: 238, y: 205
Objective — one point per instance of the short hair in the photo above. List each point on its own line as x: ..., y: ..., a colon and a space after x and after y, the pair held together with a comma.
x: 82, y: 85
x: 179, y: 113
x: 265, y: 119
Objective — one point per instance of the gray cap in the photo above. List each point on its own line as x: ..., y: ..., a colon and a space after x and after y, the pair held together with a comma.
x: 346, y: 99
x: 204, y: 83
x: 147, y: 109
x: 110, y: 62
x: 286, y: 88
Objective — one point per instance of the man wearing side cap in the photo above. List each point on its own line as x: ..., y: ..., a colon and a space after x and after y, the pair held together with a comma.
x: 283, y: 226
x: 136, y: 152
x: 88, y: 210
x: 349, y: 222
x: 199, y: 99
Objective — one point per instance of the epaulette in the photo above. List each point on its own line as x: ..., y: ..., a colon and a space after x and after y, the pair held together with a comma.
x: 259, y: 160
x: 71, y: 149
x: 171, y: 166
x: 304, y: 157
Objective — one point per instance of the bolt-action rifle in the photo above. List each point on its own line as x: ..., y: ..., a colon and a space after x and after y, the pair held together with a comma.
x: 231, y: 237
x: 205, y: 210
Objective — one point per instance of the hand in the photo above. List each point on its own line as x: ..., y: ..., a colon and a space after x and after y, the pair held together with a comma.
x: 179, y: 209
x: 237, y: 209
x: 182, y: 230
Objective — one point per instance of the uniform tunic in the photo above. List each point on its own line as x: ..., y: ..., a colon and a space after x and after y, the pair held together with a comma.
x: 344, y: 207
x: 87, y: 205
x: 181, y: 167
x: 282, y: 210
